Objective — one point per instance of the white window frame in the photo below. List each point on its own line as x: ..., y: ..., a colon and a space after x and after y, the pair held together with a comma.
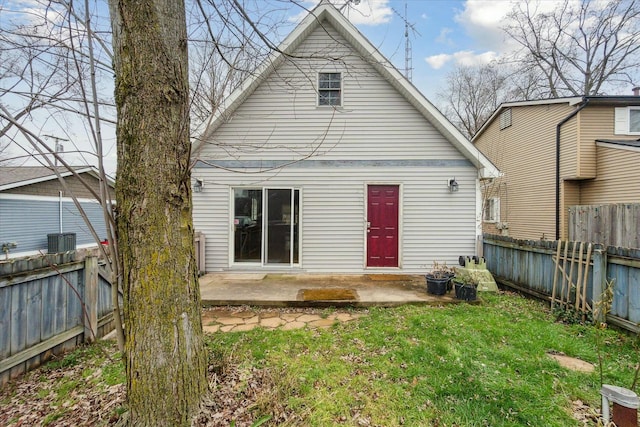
x: 622, y: 124
x: 491, y: 210
x: 634, y: 132
x: 321, y: 90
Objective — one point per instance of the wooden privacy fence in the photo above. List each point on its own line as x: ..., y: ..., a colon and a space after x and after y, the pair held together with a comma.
x: 529, y: 266
x: 569, y: 291
x: 610, y: 225
x: 49, y: 305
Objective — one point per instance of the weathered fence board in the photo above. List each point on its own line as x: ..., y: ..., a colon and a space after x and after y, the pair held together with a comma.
x: 48, y: 305
x: 104, y: 297
x: 634, y: 298
x: 610, y: 225
x: 34, y: 310
x: 18, y: 319
x: 5, y: 321
x: 528, y: 266
x: 60, y: 307
x: 74, y: 301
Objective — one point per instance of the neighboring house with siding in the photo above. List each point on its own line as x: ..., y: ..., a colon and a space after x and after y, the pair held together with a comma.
x: 34, y: 204
x: 328, y: 160
x: 555, y: 154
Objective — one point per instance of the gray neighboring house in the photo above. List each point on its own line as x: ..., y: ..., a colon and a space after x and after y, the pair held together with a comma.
x: 34, y: 205
x: 328, y: 160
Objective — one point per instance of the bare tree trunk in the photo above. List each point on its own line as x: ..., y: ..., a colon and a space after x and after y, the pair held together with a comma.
x: 164, y: 351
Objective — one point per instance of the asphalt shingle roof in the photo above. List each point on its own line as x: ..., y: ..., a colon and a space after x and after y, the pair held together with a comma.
x: 17, y: 174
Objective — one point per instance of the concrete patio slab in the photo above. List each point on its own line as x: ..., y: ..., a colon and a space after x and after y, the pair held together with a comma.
x: 284, y: 290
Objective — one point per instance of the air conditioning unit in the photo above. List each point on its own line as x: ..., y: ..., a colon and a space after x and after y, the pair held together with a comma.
x: 61, y: 242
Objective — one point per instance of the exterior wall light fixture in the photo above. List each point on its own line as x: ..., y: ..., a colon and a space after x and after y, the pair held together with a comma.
x: 198, y: 185
x: 453, y: 185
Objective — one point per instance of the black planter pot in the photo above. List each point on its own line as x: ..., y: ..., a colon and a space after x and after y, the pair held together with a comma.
x: 465, y: 292
x: 437, y: 285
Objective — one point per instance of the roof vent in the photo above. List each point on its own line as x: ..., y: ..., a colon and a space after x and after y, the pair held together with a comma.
x: 636, y: 91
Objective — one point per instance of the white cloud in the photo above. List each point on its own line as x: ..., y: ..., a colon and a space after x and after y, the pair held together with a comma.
x: 444, y: 38
x: 438, y: 61
x: 482, y: 20
x: 366, y: 12
x: 467, y: 58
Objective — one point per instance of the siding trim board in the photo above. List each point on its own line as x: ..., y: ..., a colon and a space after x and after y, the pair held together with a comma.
x: 276, y: 164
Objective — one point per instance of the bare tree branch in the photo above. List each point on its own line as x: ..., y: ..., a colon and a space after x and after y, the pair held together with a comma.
x: 587, y: 48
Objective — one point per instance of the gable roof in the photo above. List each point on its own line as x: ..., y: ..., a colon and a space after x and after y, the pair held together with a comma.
x: 20, y: 176
x: 619, y: 100
x: 325, y: 11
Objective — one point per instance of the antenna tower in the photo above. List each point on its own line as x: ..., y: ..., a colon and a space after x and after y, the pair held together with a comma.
x: 59, y: 148
x: 408, y: 54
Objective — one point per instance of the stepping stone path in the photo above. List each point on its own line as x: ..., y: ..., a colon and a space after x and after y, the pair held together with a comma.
x: 236, y: 319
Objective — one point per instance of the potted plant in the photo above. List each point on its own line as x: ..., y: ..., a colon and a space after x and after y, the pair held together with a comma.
x: 438, y: 279
x: 466, y: 285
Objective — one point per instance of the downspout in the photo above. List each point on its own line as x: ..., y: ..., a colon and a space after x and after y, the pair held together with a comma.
x: 585, y: 101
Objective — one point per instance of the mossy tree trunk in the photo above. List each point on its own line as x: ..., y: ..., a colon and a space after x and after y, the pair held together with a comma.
x: 164, y: 350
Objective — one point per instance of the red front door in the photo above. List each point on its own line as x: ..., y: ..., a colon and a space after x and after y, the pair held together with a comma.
x: 382, y: 225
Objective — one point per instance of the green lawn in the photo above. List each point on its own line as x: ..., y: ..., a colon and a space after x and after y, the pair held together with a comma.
x: 460, y: 365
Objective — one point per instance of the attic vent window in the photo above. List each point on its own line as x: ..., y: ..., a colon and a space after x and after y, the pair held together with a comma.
x: 505, y: 119
x: 330, y: 89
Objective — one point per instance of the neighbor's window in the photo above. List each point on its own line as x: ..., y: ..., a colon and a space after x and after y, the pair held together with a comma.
x: 491, y: 210
x: 330, y: 89
x: 627, y: 121
x: 505, y: 119
x: 634, y: 120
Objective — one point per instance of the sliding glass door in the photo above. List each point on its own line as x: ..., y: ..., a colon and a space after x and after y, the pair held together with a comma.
x: 247, y: 223
x: 272, y: 238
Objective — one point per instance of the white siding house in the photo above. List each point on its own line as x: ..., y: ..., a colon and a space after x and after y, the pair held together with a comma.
x: 328, y: 160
